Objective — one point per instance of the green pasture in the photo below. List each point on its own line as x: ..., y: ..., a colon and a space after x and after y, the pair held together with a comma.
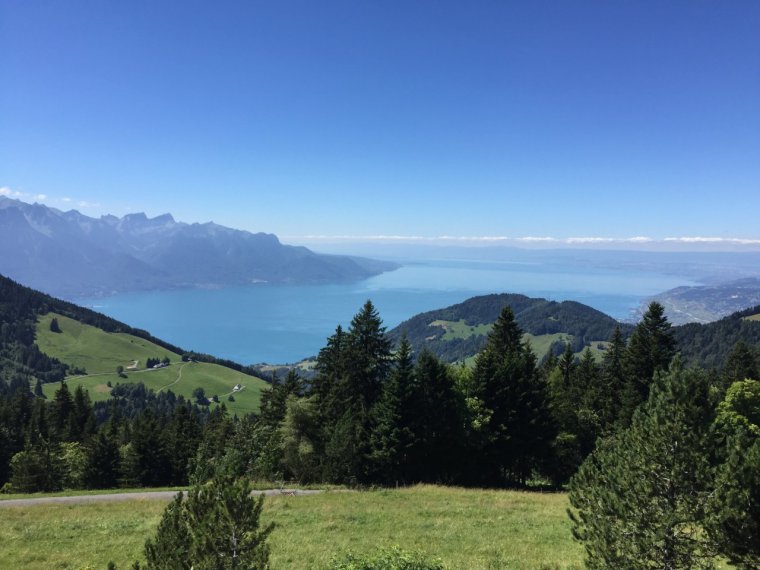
x: 467, y: 529
x: 460, y: 329
x: 100, y: 352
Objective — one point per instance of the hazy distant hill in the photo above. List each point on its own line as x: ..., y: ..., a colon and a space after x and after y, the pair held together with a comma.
x: 708, y: 303
x: 70, y: 254
x: 459, y: 332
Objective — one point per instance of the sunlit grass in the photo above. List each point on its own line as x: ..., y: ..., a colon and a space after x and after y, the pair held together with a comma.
x: 467, y: 529
x: 100, y: 353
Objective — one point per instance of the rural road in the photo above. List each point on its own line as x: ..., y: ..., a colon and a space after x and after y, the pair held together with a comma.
x: 148, y: 495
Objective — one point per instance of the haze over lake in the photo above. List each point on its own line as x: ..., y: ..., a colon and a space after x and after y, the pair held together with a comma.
x: 280, y: 323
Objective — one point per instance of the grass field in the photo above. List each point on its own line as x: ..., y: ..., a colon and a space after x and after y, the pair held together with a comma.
x: 460, y: 329
x: 467, y: 529
x: 100, y: 353
x: 753, y: 318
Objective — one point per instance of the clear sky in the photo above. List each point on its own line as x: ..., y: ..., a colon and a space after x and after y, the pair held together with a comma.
x: 363, y: 118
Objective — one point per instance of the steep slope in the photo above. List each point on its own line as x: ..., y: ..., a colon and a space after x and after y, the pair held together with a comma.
x: 69, y: 254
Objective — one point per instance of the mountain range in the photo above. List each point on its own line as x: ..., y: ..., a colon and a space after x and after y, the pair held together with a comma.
x: 73, y: 255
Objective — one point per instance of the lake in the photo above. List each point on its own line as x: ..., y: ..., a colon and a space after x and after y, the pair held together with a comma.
x: 282, y: 323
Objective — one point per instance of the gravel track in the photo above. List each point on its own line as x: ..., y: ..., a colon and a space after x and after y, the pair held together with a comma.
x: 146, y: 496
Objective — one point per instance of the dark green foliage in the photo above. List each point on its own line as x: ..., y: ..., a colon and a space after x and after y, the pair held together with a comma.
x: 581, y: 408
x: 710, y: 345
x: 435, y: 424
x: 216, y: 528
x: 38, y: 468
x: 54, y: 326
x: 742, y: 363
x: 200, y: 396
x: 170, y: 549
x: 224, y: 526
x: 352, y: 370
x: 650, y: 349
x: 734, y: 518
x: 640, y: 497
x: 518, y: 431
x: 298, y: 440
x: 102, y: 469
x: 392, y: 437
x: 146, y: 463
x: 182, y: 435
x: 734, y: 509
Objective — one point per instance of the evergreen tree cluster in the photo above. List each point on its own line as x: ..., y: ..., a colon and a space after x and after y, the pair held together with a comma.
x: 134, y: 439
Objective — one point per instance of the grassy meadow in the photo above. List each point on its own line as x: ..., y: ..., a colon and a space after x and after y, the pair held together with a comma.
x: 468, y: 529
x: 100, y: 352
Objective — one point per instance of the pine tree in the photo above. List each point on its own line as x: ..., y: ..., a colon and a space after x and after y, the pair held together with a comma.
x: 170, y: 549
x: 352, y: 369
x: 216, y: 528
x: 640, y: 496
x: 81, y: 418
x: 740, y: 365
x: 60, y: 413
x: 650, y: 349
x: 436, y: 423
x: 391, y: 435
x: 515, y: 401
x: 102, y: 468
x: 734, y: 510
x: 613, y: 377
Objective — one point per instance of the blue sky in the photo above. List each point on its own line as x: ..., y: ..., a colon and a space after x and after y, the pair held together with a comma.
x: 366, y: 118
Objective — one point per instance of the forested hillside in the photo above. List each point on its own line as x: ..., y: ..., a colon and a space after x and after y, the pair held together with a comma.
x: 711, y: 345
x: 458, y: 332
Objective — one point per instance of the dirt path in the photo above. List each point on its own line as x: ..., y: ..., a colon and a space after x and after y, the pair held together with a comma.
x: 146, y: 496
x: 179, y: 377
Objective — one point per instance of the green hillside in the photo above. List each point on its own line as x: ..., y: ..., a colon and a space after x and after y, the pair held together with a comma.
x: 458, y: 332
x: 99, y: 353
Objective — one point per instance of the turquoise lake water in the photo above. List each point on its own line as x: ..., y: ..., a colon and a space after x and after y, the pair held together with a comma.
x: 280, y: 324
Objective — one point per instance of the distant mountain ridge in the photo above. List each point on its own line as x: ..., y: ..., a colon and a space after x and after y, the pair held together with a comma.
x: 70, y: 254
